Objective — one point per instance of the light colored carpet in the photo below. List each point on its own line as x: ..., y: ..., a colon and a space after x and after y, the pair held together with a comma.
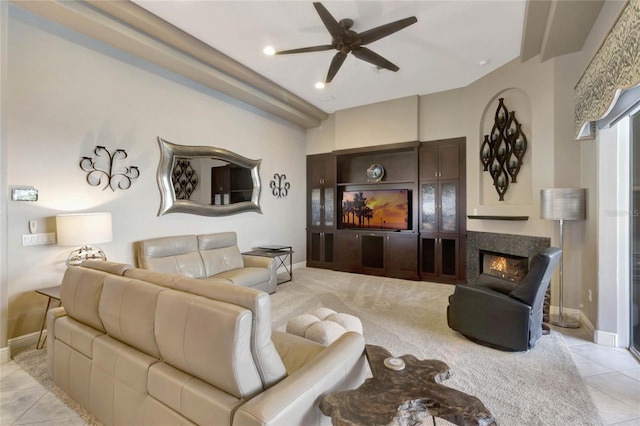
x: 538, y: 387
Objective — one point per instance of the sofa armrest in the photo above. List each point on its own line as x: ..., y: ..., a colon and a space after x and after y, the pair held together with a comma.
x: 257, y: 261
x: 483, y: 314
x: 52, y: 315
x: 264, y: 262
x: 296, y: 398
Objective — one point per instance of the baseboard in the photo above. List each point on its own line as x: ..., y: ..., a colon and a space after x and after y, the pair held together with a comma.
x: 5, y: 355
x: 25, y: 341
x: 603, y: 338
x: 606, y: 338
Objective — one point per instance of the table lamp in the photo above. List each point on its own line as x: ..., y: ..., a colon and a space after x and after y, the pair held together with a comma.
x: 563, y: 204
x: 83, y: 229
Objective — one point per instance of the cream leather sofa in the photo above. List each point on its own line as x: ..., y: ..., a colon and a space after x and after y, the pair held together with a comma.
x: 139, y: 347
x: 214, y: 257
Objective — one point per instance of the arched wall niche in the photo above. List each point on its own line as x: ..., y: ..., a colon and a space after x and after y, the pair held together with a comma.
x: 521, y: 192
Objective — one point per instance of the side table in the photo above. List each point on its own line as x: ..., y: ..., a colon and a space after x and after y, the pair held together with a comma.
x: 405, y: 397
x: 53, y: 293
x: 280, y: 253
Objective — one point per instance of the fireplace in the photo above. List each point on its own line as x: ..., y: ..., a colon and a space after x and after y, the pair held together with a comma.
x: 503, y: 265
x: 513, y: 246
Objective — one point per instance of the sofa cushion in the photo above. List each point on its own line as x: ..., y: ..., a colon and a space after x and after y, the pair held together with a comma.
x: 196, y: 400
x: 245, y: 277
x: 80, y: 295
x: 177, y: 255
x: 127, y: 309
x: 220, y: 252
x: 221, y: 260
x: 268, y: 362
x: 76, y: 334
x: 208, y: 339
x: 118, y: 382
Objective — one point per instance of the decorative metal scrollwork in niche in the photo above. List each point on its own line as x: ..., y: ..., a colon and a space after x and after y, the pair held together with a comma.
x: 96, y: 172
x: 184, y: 179
x: 502, y: 151
x: 279, y: 188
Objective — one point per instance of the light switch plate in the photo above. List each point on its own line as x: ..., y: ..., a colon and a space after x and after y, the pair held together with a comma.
x: 33, y: 226
x: 24, y: 194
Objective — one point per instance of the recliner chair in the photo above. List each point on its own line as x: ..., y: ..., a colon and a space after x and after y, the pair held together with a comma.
x: 497, y: 313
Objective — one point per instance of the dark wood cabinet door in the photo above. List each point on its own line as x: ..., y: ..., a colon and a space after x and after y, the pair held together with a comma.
x: 440, y: 258
x: 449, y: 160
x: 429, y: 161
x: 320, y: 249
x: 321, y: 203
x: 347, y: 251
x: 402, y: 256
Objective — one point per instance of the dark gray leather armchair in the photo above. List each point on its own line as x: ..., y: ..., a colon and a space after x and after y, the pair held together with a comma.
x: 500, y: 314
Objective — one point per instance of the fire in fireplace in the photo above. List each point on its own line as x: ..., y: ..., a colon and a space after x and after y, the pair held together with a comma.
x: 502, y: 265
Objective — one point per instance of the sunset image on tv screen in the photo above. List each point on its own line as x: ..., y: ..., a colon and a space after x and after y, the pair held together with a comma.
x: 379, y: 209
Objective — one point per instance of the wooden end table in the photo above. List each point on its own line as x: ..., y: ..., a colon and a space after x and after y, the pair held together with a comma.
x: 53, y: 293
x: 405, y: 397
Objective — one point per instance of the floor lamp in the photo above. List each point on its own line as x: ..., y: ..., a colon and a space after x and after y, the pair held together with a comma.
x: 563, y: 204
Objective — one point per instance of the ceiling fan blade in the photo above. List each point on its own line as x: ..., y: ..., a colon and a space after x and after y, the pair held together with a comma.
x: 336, y: 63
x: 329, y: 21
x: 306, y: 49
x: 370, y: 56
x: 377, y: 33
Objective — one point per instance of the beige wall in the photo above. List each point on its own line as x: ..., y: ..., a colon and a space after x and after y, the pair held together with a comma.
x: 544, y: 94
x: 66, y: 94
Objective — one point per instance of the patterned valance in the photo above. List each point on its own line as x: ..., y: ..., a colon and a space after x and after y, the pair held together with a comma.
x: 616, y: 66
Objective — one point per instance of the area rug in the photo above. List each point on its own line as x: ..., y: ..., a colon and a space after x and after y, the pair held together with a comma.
x: 539, y: 387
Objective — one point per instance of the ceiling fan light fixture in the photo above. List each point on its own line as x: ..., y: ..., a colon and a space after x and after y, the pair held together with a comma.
x: 269, y: 51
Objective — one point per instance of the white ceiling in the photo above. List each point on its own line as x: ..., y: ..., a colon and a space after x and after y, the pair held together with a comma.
x: 440, y: 52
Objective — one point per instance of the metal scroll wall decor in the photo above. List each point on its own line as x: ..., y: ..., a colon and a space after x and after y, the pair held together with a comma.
x: 502, y: 151
x: 97, y: 169
x: 279, y: 188
x: 184, y: 179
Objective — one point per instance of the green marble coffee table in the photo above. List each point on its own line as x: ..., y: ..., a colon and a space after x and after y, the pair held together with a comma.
x: 407, y: 397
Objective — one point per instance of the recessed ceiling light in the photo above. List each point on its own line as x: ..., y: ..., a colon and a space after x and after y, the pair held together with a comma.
x: 269, y: 51
x: 483, y: 62
x: 319, y: 85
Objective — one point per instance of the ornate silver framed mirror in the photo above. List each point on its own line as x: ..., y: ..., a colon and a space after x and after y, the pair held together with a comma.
x: 206, y: 181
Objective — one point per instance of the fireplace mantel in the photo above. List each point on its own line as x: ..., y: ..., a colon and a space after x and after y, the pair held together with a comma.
x: 492, y: 217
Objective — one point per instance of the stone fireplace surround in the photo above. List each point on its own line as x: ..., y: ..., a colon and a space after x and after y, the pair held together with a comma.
x: 515, y: 245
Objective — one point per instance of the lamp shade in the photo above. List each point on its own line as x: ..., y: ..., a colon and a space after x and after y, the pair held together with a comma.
x: 80, y: 229
x: 563, y: 204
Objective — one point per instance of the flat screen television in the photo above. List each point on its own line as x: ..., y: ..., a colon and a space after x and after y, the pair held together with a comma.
x: 376, y: 209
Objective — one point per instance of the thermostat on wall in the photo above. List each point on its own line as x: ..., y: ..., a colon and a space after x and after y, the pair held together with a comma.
x: 24, y: 194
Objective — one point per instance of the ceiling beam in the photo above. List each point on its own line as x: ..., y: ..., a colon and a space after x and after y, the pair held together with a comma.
x: 557, y: 27
x: 130, y: 28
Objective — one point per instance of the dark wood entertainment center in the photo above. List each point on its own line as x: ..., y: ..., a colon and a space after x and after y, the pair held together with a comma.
x: 430, y: 245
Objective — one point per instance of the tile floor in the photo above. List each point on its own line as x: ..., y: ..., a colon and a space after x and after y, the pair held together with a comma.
x: 612, y: 376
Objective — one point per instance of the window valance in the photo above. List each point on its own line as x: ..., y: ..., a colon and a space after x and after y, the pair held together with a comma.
x: 615, y: 67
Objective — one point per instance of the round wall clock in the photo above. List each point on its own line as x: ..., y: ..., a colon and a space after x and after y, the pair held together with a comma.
x: 375, y: 172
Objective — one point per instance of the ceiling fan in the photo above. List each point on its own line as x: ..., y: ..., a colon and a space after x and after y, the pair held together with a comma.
x: 346, y: 41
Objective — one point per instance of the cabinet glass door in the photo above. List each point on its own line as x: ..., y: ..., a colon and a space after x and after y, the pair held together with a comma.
x: 328, y: 207
x: 449, y: 204
x: 315, y: 207
x: 429, y: 219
